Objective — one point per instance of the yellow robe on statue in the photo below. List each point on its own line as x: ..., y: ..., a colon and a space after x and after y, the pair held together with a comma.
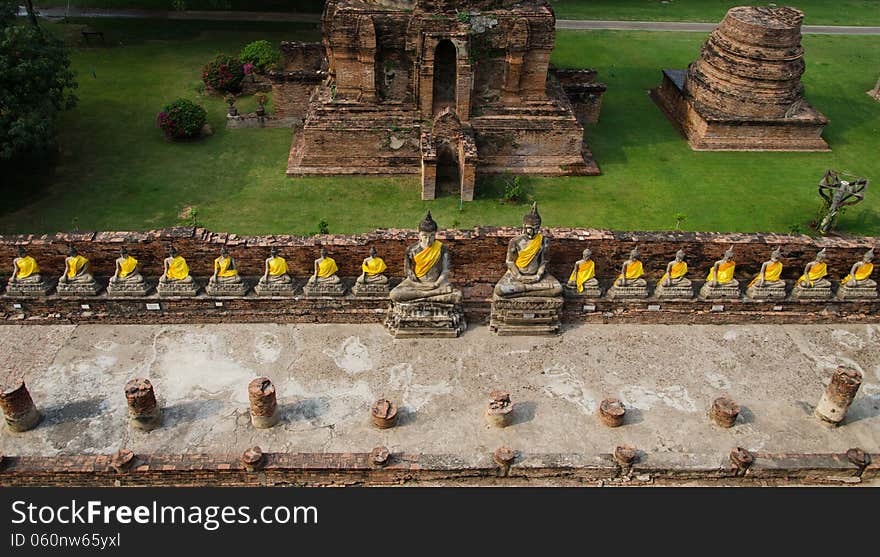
x: 527, y: 254
x: 818, y: 271
x: 127, y: 267
x: 374, y: 266
x: 771, y: 273
x: 679, y: 269
x: 633, y: 271
x: 862, y: 273
x: 277, y: 266
x: 426, y: 259
x: 725, y: 272
x: 27, y: 266
x: 75, y: 265
x: 177, y: 269
x: 585, y: 272
x: 327, y: 267
x: 221, y: 267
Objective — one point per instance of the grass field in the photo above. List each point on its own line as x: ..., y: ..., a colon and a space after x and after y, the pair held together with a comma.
x: 116, y: 172
x: 828, y: 12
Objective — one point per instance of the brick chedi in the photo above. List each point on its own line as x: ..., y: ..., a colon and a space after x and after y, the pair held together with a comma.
x: 744, y: 92
x: 439, y: 88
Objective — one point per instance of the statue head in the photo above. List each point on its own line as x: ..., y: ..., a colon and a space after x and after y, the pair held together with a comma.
x: 679, y: 255
x: 634, y: 254
x: 21, y: 252
x: 821, y: 255
x: 123, y: 252
x: 869, y: 256
x: 273, y: 252
x: 728, y: 255
x: 372, y: 251
x: 587, y: 254
x: 223, y: 251
x: 172, y: 251
x: 323, y: 251
x: 71, y: 252
x: 427, y: 230
x: 775, y: 254
x: 532, y: 221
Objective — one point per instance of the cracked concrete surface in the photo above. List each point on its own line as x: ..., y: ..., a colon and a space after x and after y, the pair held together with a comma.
x: 328, y: 375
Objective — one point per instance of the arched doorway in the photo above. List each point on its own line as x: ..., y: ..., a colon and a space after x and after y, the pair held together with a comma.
x: 448, y: 177
x: 444, y: 76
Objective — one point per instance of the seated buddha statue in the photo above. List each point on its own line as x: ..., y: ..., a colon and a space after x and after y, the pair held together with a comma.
x: 372, y: 281
x: 77, y: 277
x: 175, y: 279
x: 26, y: 278
x: 426, y: 268
x: 225, y: 280
x: 583, y: 281
x: 674, y: 283
x: 527, y: 257
x: 768, y: 282
x: 275, y: 279
x: 858, y: 283
x: 630, y: 283
x: 127, y: 278
x: 720, y: 282
x: 813, y: 284
x: 324, y: 281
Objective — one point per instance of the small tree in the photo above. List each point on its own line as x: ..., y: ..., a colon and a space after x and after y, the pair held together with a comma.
x: 679, y: 218
x: 261, y: 54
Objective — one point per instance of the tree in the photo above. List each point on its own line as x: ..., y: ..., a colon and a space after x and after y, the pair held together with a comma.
x: 35, y: 84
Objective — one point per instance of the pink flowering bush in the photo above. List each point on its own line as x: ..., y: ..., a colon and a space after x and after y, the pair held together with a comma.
x: 181, y: 118
x: 224, y: 73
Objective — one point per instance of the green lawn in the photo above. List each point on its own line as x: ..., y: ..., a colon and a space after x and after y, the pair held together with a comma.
x: 116, y: 172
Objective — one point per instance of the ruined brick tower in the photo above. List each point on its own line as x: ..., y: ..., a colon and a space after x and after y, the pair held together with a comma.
x: 441, y: 88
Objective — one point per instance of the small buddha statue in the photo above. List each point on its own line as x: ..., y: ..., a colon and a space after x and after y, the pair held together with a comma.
x: 426, y: 266
x: 127, y: 278
x: 225, y: 280
x: 77, y: 278
x: 768, y: 282
x: 813, y: 284
x: 858, y: 284
x: 720, y: 282
x: 324, y: 281
x: 26, y: 278
x: 674, y: 283
x: 175, y: 279
x: 583, y: 281
x: 630, y: 283
x: 527, y: 257
x: 372, y: 280
x: 275, y: 279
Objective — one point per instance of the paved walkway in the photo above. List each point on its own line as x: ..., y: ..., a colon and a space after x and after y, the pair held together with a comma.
x: 314, y: 18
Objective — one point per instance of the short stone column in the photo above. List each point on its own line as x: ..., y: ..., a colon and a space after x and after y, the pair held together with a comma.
x: 724, y: 411
x: 612, y: 412
x: 143, y: 412
x: 383, y: 414
x: 264, y: 406
x: 253, y: 459
x: 625, y: 456
x: 841, y: 391
x: 499, y: 411
x: 18, y: 407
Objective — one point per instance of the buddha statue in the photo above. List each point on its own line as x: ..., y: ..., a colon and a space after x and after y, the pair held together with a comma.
x: 372, y: 281
x: 324, y: 281
x: 425, y: 304
x: 813, y: 284
x: 175, y: 279
x: 527, y: 257
x: 226, y: 281
x: 858, y: 284
x: 583, y: 281
x: 720, y: 282
x: 127, y: 279
x: 630, y: 283
x: 768, y: 283
x: 77, y: 279
x: 674, y: 283
x: 26, y: 279
x: 275, y: 280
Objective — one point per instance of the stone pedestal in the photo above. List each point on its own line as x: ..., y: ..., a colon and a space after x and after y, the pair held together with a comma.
x: 370, y: 290
x: 590, y: 291
x: 222, y: 289
x: 425, y: 319
x: 29, y: 289
x: 628, y: 292
x: 129, y: 289
x: 838, y: 396
x: 77, y: 289
x: 674, y: 292
x: 143, y: 410
x: 812, y: 293
x: 320, y: 290
x: 286, y: 289
x: 263, y: 403
x: 526, y: 316
x: 18, y: 407
x: 721, y: 292
x: 177, y: 289
x: 857, y: 292
x: 775, y: 292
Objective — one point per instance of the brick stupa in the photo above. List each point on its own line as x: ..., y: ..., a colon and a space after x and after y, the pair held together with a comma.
x: 744, y: 92
x: 443, y: 89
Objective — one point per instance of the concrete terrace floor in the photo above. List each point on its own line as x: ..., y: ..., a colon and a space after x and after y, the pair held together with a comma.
x: 328, y: 375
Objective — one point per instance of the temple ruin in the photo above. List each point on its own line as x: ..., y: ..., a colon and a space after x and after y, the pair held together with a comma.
x: 442, y: 88
x: 744, y: 92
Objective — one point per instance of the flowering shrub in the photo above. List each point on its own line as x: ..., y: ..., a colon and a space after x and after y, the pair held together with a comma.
x: 224, y: 73
x: 181, y: 118
x: 261, y: 54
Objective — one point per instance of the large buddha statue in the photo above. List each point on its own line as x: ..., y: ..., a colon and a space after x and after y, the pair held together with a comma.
x: 77, y: 279
x: 127, y: 279
x: 813, y: 284
x: 720, y: 282
x: 582, y: 281
x: 226, y: 281
x: 275, y: 280
x: 674, y: 283
x: 26, y: 279
x: 527, y: 257
x: 768, y: 283
x: 630, y: 283
x: 175, y: 279
x: 372, y: 281
x: 858, y: 283
x: 324, y: 281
